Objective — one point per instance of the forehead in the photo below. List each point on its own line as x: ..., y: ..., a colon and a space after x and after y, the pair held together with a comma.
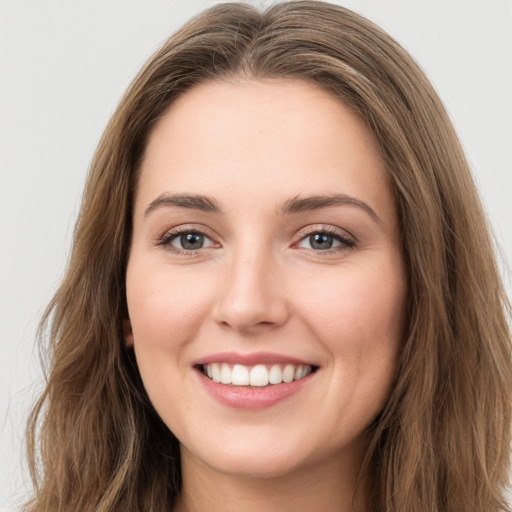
x: 272, y: 138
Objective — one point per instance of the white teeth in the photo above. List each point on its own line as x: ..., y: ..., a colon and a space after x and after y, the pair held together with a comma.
x: 240, y: 375
x: 215, y: 372
x: 226, y: 375
x: 259, y: 375
x: 288, y: 373
x: 275, y: 375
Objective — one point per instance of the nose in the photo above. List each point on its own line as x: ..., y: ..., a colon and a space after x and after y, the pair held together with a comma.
x: 252, y: 295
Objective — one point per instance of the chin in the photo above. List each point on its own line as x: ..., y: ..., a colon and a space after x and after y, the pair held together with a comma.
x: 256, y: 454
x: 249, y: 465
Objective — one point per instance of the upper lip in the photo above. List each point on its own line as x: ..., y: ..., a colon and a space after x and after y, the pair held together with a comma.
x: 250, y: 359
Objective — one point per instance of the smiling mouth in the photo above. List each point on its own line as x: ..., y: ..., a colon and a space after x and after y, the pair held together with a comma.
x: 259, y: 375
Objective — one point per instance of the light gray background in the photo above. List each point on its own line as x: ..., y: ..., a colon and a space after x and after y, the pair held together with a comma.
x: 63, y: 68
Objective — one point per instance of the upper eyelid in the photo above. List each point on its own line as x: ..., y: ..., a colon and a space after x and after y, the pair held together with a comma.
x: 325, y: 228
x: 190, y: 228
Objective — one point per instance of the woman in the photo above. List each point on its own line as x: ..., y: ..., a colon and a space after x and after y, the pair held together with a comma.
x: 282, y: 292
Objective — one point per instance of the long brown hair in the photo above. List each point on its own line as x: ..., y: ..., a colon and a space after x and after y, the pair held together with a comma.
x: 442, y: 441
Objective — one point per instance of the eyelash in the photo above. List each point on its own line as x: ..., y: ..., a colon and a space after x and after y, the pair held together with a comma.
x: 346, y: 242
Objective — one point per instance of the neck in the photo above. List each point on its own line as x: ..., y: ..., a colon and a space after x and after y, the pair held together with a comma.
x: 333, y: 486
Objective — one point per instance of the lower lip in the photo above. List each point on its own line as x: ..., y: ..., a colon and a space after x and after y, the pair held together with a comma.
x: 252, y: 398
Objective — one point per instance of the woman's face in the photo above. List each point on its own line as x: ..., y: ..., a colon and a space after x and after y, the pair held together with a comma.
x: 265, y: 254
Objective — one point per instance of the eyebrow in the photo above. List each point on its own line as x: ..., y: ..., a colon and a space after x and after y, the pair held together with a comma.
x: 304, y: 204
x: 194, y: 202
x: 293, y: 206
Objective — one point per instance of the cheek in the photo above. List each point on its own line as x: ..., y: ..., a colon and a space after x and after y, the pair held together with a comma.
x: 166, y: 312
x: 165, y: 309
x: 362, y: 327
x: 359, y: 320
x: 358, y: 309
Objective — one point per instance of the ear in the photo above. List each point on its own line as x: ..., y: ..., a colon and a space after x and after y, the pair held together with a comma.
x: 128, y: 333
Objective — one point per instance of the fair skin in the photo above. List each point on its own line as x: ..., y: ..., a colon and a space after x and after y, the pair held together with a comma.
x: 265, y: 234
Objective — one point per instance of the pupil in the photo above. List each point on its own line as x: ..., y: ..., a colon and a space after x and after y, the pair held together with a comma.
x: 192, y: 241
x: 320, y: 242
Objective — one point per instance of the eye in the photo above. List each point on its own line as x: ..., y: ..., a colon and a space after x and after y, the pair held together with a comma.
x: 190, y: 241
x: 324, y: 241
x: 186, y: 241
